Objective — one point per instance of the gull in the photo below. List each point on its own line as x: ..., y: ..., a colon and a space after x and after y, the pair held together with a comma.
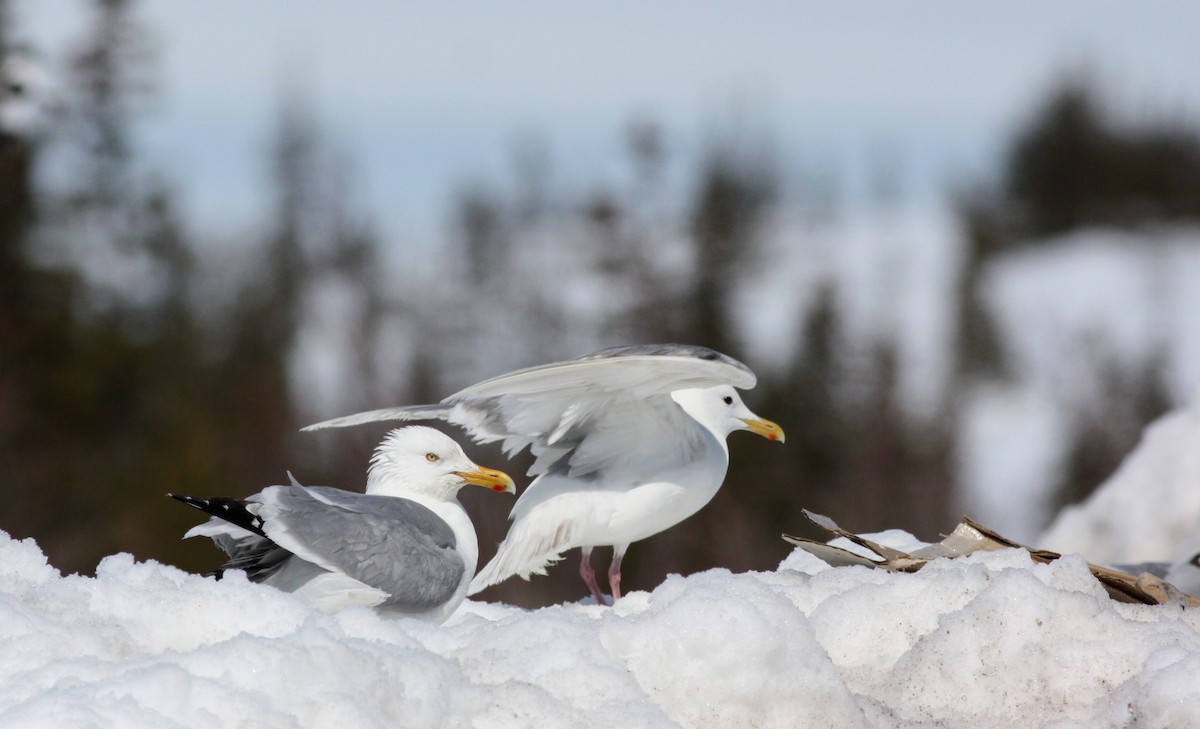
x: 627, y: 442
x: 405, y: 545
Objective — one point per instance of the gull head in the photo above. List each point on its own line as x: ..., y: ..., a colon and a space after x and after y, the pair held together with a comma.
x: 417, y: 460
x: 721, y: 410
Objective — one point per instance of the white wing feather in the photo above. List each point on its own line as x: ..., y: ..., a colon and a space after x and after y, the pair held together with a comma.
x: 584, y: 414
x: 594, y: 412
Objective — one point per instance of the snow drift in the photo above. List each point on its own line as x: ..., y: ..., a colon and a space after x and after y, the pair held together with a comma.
x: 987, y: 640
x: 1150, y: 508
x: 991, y: 641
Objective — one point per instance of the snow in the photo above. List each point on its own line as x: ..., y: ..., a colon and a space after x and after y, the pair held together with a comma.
x: 895, y: 271
x: 1011, y: 444
x: 988, y: 640
x: 1064, y: 307
x: 1150, y: 508
x: 1100, y: 292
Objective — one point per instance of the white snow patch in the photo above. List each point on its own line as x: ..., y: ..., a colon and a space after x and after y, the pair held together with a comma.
x: 990, y: 640
x: 895, y: 272
x: 1150, y: 509
x: 1012, y: 441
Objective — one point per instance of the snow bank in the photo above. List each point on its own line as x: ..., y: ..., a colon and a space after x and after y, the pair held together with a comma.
x: 984, y: 641
x: 1149, y: 509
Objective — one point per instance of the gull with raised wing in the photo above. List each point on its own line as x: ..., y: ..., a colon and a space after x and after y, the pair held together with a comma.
x: 627, y: 443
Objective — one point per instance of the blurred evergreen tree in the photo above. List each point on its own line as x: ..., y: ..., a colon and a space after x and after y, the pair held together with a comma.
x: 124, y: 371
x: 730, y: 206
x: 1109, y: 423
x: 979, y: 348
x: 1071, y: 166
x: 105, y: 361
x: 267, y: 314
x: 736, y: 188
x: 902, y: 469
x: 315, y: 288
x: 812, y: 400
x: 1074, y: 166
x: 20, y: 285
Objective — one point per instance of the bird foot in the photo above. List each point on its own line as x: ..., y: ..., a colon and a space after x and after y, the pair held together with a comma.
x: 614, y: 574
x: 589, y: 576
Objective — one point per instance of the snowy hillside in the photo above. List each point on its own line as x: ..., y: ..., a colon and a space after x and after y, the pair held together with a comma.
x: 1064, y: 308
x: 1150, y: 508
x: 990, y: 640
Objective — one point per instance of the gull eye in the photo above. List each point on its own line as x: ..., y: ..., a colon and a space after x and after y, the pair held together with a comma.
x: 728, y: 400
x: 432, y: 457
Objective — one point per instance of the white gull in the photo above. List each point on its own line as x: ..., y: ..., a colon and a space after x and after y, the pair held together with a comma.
x: 627, y: 442
x: 405, y: 545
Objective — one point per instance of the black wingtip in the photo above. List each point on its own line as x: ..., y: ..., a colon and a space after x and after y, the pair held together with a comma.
x: 230, y: 510
x: 191, y: 501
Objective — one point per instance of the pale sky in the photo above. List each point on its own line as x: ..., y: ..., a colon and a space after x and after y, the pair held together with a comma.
x: 427, y: 96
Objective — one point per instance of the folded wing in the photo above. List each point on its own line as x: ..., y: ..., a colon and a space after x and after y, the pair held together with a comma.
x: 391, y: 544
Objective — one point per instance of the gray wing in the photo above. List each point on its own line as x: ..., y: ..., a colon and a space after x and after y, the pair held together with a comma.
x: 407, y: 412
x: 568, y: 412
x: 645, y: 368
x: 389, y: 543
x: 692, y: 351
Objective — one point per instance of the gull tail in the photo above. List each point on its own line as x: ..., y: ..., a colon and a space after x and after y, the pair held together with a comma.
x: 526, y: 551
x: 238, y: 532
x: 408, y: 412
x: 228, y: 510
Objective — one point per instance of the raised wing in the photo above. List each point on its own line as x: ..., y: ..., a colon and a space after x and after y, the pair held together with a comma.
x: 585, y: 414
x: 407, y: 412
x: 389, y: 543
x: 651, y: 367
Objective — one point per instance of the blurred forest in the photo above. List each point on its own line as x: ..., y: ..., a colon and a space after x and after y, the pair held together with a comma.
x: 139, y: 357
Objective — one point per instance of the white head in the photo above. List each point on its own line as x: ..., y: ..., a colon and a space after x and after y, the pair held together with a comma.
x: 421, y: 460
x: 721, y: 410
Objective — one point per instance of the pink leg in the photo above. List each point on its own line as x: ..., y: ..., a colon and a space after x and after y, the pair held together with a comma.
x: 614, y: 570
x: 589, y: 576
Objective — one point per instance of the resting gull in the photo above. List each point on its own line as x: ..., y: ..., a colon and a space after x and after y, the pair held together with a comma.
x: 627, y: 442
x: 405, y: 545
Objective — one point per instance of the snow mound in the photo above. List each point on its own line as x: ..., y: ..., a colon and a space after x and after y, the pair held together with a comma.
x: 989, y: 640
x: 1149, y: 509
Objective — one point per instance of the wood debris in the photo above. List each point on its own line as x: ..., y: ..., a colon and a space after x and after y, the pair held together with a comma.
x: 970, y: 537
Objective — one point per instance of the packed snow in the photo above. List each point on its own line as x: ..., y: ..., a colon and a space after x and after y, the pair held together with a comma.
x: 987, y: 640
